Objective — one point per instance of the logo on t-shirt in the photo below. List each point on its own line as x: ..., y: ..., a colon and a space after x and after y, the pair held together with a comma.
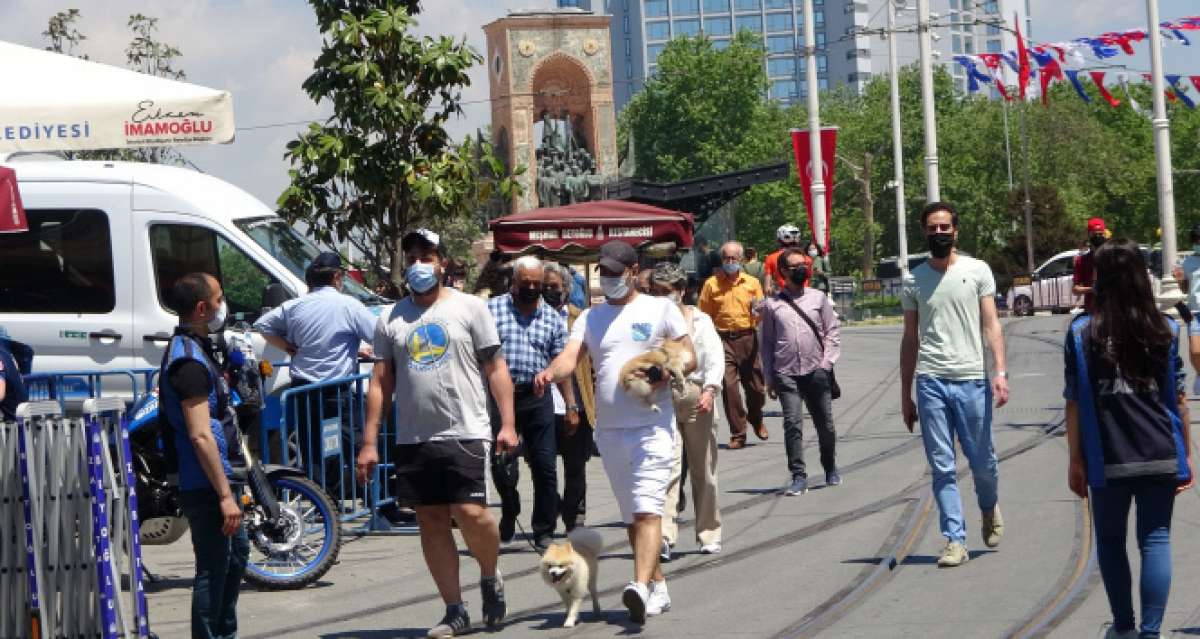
x: 642, y: 331
x: 427, y: 346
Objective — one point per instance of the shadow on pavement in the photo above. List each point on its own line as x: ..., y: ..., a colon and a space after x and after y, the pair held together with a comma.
x: 395, y: 633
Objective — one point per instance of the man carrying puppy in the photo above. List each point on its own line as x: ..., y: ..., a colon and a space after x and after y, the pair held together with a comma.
x: 636, y: 443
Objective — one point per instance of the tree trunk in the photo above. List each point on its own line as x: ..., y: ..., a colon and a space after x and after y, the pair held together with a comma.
x: 868, y: 207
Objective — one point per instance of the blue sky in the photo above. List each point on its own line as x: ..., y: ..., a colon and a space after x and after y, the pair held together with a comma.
x: 261, y: 50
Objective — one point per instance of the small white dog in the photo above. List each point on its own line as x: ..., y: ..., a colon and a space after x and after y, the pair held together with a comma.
x: 571, y: 568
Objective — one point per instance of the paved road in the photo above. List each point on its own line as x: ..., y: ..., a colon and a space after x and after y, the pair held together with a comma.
x: 854, y: 561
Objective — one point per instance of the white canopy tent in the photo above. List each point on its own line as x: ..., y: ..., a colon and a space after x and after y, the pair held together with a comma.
x: 56, y: 102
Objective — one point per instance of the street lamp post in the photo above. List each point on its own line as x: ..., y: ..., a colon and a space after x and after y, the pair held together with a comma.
x: 816, y: 159
x: 897, y: 139
x: 1169, y: 292
x: 933, y: 191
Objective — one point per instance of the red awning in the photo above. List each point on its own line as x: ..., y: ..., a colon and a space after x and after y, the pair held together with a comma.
x: 12, y: 212
x: 578, y: 230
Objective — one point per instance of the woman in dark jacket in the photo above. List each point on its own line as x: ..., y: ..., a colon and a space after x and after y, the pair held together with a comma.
x: 1127, y: 430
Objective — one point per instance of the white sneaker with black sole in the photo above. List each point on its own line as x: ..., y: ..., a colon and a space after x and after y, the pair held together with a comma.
x: 635, y: 597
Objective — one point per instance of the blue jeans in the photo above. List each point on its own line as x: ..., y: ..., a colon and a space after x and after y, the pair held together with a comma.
x: 220, y: 565
x: 1110, y: 511
x: 963, y: 409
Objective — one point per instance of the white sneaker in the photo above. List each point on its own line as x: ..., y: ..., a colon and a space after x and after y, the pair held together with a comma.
x: 660, y: 600
x: 710, y: 549
x: 634, y: 597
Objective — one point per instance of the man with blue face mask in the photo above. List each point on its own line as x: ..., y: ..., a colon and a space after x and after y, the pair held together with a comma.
x: 730, y: 298
x: 435, y: 348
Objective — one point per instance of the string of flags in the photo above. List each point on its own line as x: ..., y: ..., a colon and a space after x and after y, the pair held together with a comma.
x: 1051, y: 62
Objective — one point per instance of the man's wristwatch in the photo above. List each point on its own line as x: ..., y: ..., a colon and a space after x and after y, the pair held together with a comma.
x: 573, y: 408
x: 710, y: 387
x: 1003, y: 374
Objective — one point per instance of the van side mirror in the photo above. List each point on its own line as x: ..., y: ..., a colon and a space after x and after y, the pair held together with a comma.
x: 274, y: 295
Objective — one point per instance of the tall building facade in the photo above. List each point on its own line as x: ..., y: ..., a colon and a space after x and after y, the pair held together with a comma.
x: 850, y: 49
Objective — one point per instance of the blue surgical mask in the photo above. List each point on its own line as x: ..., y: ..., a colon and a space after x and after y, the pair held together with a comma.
x: 732, y: 267
x: 421, y: 277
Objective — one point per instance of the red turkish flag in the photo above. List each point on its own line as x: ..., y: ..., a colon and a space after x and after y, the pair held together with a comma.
x: 1022, y: 58
x: 12, y: 212
x: 804, y: 169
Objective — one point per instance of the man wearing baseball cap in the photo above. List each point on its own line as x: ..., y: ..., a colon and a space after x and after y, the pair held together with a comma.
x: 636, y: 441
x: 1085, y: 269
x: 323, y: 332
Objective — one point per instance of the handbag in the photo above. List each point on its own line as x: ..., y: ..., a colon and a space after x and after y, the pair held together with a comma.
x: 835, y: 391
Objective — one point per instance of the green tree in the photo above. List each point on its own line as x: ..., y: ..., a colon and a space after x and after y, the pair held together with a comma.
x: 61, y: 34
x: 383, y: 163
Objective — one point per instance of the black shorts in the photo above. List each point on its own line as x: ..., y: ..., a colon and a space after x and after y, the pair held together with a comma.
x: 442, y: 472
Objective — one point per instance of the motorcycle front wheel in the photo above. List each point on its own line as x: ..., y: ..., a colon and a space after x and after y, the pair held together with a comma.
x: 305, y: 547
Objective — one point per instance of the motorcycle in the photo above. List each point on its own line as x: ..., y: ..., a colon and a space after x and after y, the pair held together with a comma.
x: 293, y: 526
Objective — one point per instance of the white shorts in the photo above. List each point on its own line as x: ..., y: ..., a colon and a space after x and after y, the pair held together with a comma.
x: 638, y: 462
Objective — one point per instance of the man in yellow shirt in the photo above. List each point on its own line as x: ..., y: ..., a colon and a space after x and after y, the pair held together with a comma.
x: 730, y: 298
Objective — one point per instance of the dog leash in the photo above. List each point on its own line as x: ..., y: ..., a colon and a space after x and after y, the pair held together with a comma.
x: 502, y: 463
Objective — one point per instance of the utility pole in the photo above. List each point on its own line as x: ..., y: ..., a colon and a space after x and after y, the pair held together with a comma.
x: 816, y: 163
x: 897, y: 139
x: 1028, y: 205
x: 933, y: 191
x: 1168, y: 293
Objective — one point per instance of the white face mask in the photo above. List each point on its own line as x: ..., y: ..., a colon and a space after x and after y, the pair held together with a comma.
x: 676, y: 297
x: 614, y: 288
x: 218, y: 321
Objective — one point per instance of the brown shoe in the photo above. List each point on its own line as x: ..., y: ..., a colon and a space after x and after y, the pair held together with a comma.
x: 761, y: 431
x: 736, y: 443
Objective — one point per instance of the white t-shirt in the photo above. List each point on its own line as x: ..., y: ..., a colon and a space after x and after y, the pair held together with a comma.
x: 1191, y: 271
x: 613, y: 336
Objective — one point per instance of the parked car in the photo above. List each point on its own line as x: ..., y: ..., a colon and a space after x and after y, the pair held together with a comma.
x: 1049, y: 286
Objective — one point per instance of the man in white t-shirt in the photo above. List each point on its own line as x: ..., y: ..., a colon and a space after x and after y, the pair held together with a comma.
x: 636, y: 443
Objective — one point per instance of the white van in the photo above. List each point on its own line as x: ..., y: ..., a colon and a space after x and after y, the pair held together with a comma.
x: 85, y: 285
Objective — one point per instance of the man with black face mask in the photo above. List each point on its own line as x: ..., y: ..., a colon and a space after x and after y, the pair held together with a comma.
x: 949, y: 301
x: 1085, y: 268
x: 532, y: 334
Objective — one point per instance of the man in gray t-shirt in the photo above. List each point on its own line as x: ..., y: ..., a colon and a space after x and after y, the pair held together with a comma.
x: 948, y: 302
x: 436, y: 348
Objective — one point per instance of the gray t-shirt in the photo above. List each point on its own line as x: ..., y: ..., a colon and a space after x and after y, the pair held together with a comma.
x: 947, y: 306
x: 440, y: 392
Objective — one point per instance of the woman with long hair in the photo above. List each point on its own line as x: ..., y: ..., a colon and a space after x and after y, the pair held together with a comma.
x: 819, y: 271
x: 1127, y: 430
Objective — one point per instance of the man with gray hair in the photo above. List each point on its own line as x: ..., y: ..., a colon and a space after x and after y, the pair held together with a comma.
x: 532, y: 334
x: 729, y: 297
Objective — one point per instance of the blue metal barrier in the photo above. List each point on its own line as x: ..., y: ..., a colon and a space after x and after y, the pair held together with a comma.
x: 324, y: 421
x: 61, y: 386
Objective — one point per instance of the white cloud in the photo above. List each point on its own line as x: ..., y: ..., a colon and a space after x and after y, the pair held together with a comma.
x: 259, y: 50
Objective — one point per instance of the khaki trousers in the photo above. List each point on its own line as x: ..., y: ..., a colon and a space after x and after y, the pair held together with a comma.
x: 698, y: 438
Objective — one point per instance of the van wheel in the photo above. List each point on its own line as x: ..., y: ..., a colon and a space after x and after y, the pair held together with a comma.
x: 1022, y: 306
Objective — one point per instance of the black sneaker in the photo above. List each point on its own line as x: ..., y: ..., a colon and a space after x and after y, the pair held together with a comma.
x: 833, y: 478
x: 507, y: 528
x: 542, y: 542
x: 494, y: 606
x: 456, y: 622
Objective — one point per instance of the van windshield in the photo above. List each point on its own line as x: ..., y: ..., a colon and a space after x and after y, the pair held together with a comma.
x: 295, y: 252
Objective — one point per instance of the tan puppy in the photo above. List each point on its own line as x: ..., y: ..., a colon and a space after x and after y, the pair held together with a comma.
x: 571, y: 568
x: 671, y: 356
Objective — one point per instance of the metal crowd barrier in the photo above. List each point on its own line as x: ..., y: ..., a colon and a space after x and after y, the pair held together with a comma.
x: 325, y: 421
x: 62, y: 386
x: 76, y: 509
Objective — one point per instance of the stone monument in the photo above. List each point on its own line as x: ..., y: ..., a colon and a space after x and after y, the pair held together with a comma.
x: 554, y: 67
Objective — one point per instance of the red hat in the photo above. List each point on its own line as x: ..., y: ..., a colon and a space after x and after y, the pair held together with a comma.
x: 1095, y: 225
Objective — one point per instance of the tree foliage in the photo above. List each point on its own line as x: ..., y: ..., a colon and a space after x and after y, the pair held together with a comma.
x: 383, y: 163
x: 706, y: 113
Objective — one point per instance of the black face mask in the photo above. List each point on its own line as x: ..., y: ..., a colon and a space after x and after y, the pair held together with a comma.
x: 528, y: 295
x: 799, y: 274
x: 940, y: 244
x: 553, y: 298
x: 1097, y: 240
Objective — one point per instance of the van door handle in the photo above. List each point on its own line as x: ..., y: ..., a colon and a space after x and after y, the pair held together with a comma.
x: 157, y: 337
x: 106, y: 334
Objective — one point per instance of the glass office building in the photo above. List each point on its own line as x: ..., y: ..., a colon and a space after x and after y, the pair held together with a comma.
x: 641, y: 29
